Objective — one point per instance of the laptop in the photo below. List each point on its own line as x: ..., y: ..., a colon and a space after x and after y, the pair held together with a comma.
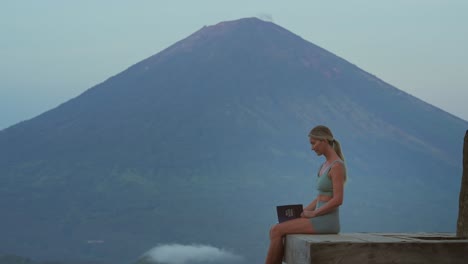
x: 288, y: 212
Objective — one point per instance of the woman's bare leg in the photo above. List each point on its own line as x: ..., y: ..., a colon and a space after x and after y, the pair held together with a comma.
x: 277, y: 233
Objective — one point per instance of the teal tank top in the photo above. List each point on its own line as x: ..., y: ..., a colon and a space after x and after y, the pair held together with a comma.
x: 324, y: 182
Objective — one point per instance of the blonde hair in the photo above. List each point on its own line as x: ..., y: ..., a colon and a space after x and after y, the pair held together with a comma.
x: 324, y: 133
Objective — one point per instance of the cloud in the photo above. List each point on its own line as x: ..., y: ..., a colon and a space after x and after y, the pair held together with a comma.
x: 188, y: 254
x: 265, y: 17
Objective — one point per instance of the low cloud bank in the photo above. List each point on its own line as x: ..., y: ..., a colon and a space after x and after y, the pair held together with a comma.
x: 188, y: 254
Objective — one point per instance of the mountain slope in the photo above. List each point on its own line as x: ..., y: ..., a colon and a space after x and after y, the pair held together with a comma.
x: 200, y: 139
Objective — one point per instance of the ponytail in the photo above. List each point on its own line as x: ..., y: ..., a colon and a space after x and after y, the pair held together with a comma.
x: 337, y: 147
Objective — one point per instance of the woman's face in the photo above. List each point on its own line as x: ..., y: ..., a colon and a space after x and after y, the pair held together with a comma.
x: 317, y: 145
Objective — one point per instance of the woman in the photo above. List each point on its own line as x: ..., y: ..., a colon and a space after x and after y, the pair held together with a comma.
x: 321, y: 216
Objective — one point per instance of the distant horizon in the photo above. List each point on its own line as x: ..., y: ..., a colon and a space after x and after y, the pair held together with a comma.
x: 49, y: 59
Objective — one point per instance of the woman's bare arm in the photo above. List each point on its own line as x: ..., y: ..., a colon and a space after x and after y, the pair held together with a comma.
x: 311, y: 206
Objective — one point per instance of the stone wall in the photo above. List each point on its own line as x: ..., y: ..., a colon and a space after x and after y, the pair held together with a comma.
x: 376, y: 248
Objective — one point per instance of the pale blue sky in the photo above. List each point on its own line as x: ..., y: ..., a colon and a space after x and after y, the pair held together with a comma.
x: 53, y: 50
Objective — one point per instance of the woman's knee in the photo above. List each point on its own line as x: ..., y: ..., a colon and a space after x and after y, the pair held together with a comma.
x: 276, y: 231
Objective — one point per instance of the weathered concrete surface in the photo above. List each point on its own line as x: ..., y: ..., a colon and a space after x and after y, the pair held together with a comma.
x: 376, y: 248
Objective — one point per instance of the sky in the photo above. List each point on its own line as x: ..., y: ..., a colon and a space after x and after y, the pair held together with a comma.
x: 53, y: 50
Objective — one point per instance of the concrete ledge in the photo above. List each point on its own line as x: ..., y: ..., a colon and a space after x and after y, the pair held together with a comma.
x: 376, y: 248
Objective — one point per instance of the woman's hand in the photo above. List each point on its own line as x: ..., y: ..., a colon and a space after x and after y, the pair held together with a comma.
x: 308, y: 214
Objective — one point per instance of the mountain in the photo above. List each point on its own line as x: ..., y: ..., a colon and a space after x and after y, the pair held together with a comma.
x: 198, y: 143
